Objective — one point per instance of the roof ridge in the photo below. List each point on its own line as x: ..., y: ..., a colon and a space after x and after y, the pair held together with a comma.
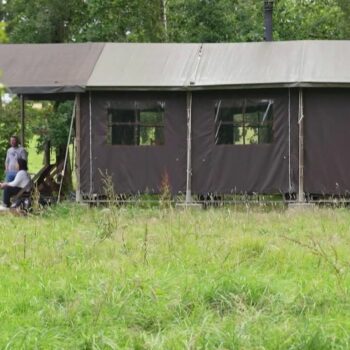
x: 94, y: 65
x: 193, y: 77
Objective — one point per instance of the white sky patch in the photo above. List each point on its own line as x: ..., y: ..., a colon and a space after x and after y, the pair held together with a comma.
x: 6, y: 98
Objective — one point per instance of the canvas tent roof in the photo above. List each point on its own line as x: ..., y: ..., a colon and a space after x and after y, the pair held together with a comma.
x: 293, y: 63
x: 47, y: 68
x: 52, y: 68
x: 142, y: 65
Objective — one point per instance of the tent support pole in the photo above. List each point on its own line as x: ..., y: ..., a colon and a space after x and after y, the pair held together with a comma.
x: 22, y: 119
x: 189, y: 151
x: 90, y: 142
x: 290, y: 188
x: 77, y: 142
x: 301, y: 194
x: 67, y: 150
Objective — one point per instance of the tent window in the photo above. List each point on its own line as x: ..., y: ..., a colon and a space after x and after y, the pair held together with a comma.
x: 245, y: 124
x: 138, y: 127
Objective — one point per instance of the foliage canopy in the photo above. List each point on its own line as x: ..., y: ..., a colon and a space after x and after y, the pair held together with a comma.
x: 171, y: 20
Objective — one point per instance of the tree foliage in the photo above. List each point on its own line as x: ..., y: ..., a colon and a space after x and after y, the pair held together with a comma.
x: 310, y: 19
x: 215, y: 21
x: 121, y: 20
x: 171, y: 20
x: 41, y: 21
x: 10, y: 124
x: 3, y: 35
x: 345, y: 7
x: 52, y: 124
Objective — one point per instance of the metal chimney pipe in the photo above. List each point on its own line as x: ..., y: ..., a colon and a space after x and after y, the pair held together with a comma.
x: 268, y: 10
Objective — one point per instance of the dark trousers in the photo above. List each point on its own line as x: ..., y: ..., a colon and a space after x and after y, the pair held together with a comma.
x: 8, y: 193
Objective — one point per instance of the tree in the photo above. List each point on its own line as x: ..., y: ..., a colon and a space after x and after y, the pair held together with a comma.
x: 171, y: 20
x: 10, y: 124
x: 122, y: 21
x: 41, y: 21
x: 3, y: 39
x: 3, y: 36
x: 309, y: 19
x: 242, y: 20
x: 200, y: 21
x: 345, y: 7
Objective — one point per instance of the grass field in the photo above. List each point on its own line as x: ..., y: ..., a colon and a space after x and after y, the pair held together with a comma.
x: 130, y: 278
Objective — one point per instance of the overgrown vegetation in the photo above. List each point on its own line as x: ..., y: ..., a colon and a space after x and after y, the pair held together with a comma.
x: 228, y: 278
x: 46, y: 122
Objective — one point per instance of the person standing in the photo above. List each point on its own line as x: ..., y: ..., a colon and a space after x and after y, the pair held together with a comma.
x: 15, y: 152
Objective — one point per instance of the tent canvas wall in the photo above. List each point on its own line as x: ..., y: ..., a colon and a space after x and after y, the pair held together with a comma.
x: 222, y: 168
x: 227, y: 118
x: 134, y: 168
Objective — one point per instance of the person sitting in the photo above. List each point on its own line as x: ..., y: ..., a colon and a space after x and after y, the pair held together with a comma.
x: 21, y: 181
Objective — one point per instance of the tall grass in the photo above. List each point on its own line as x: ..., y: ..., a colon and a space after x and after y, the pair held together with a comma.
x: 167, y: 279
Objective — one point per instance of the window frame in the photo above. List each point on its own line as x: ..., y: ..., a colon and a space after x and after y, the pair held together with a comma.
x: 137, y: 124
x: 242, y: 106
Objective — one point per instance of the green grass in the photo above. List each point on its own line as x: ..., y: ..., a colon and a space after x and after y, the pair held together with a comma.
x: 80, y: 278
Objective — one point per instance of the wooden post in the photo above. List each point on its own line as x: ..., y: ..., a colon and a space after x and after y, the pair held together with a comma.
x: 189, y: 150
x: 22, y: 120
x: 77, y: 142
x: 66, y: 156
x: 301, y: 194
x: 47, y: 152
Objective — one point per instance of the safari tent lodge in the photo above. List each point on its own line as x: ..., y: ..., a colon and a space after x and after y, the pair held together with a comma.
x: 266, y: 118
